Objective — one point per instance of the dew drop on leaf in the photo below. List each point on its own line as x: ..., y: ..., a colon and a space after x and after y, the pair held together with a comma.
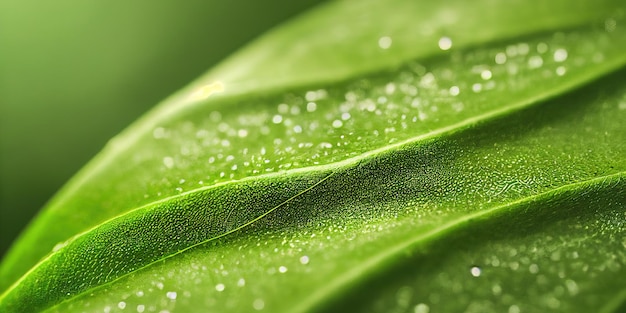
x: 475, y: 271
x: 171, y: 295
x: 445, y: 43
x: 220, y: 287
x: 258, y: 304
x: 384, y: 42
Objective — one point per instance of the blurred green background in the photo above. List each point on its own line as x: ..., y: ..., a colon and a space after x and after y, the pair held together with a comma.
x: 75, y: 73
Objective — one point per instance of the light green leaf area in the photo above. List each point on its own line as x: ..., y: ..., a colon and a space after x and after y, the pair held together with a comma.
x: 441, y: 163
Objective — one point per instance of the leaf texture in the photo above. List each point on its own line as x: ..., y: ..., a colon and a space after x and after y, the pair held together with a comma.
x: 382, y: 169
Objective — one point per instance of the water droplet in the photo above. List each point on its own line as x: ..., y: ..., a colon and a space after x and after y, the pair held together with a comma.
x: 311, y: 106
x: 514, y: 309
x: 523, y: 48
x: 496, y: 289
x: 500, y: 58
x: 560, y: 55
x: 535, y: 62
x: 141, y: 308
x: 304, y: 259
x: 403, y: 296
x: 454, y: 91
x: 241, y: 282
x: 421, y: 308
x: 283, y: 108
x: 486, y: 74
x: 553, y: 303
x: 384, y: 42
x: 277, y: 119
x: 168, y: 162
x: 445, y: 43
x: 337, y: 123
x: 561, y: 70
x: 542, y: 47
x: 572, y: 287
x: 258, y: 304
x: 282, y: 269
x: 533, y: 268
x: 428, y: 80
x: 475, y: 271
x: 121, y: 305
x: 171, y: 295
x: 511, y: 50
x: 220, y: 287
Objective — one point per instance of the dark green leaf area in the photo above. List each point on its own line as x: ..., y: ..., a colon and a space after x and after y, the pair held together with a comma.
x: 366, y: 217
x: 558, y: 254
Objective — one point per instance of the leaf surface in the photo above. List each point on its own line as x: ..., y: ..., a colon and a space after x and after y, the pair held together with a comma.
x: 285, y: 186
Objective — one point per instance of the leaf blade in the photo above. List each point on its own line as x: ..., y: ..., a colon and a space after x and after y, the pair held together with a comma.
x: 612, y: 58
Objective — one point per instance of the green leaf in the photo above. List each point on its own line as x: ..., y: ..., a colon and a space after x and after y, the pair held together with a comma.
x: 374, y: 156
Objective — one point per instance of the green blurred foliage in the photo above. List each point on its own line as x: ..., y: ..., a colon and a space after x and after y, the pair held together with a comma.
x: 74, y: 73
